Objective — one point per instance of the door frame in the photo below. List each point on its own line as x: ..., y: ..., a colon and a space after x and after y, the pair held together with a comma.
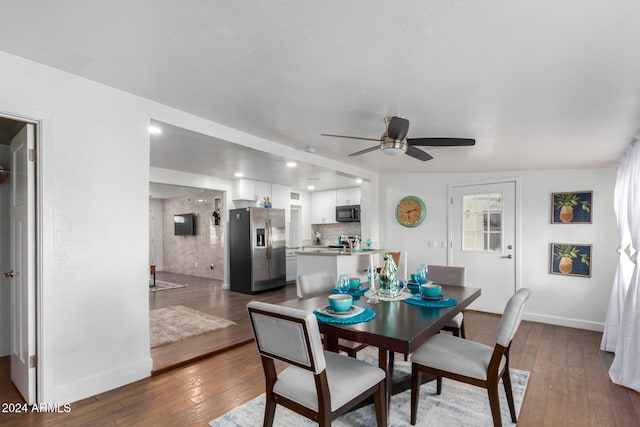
x: 517, y: 218
x: 44, y: 347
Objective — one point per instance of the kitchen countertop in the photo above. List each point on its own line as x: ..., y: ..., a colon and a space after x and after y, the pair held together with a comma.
x: 340, y: 252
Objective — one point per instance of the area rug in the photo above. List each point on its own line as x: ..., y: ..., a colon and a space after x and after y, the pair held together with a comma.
x: 458, y: 405
x: 176, y: 323
x: 163, y: 286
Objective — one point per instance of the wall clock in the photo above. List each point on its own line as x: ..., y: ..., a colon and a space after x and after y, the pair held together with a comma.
x: 410, y: 211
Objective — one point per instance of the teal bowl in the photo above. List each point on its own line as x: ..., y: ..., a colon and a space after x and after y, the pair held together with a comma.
x: 354, y: 283
x: 340, y: 302
x: 430, y: 290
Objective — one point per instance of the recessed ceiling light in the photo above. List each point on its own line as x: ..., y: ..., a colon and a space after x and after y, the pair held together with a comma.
x: 310, y: 187
x: 155, y: 130
x: 238, y: 174
x: 359, y: 181
x: 291, y: 164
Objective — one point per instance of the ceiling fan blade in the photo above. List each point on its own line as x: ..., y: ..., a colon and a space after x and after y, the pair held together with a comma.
x: 440, y: 142
x: 417, y: 153
x: 397, y: 128
x: 366, y: 150
x: 350, y: 137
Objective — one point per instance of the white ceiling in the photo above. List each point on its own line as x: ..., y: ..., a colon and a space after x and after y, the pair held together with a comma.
x: 539, y: 84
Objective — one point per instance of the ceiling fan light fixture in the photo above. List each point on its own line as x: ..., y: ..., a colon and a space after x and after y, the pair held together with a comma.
x: 393, y: 147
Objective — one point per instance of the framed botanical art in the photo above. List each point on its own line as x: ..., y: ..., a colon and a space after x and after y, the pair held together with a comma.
x: 570, y: 259
x: 571, y: 207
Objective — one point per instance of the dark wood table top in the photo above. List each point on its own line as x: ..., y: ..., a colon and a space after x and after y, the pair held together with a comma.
x: 398, y: 326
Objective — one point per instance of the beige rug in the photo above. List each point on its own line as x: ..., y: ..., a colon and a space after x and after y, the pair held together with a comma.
x: 176, y: 323
x: 163, y: 286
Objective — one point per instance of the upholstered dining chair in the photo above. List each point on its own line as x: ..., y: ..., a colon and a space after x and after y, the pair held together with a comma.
x: 454, y: 276
x: 322, y: 283
x: 445, y: 355
x: 396, y: 260
x: 320, y: 385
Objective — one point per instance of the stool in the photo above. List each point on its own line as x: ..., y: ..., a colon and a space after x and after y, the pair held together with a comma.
x: 152, y: 270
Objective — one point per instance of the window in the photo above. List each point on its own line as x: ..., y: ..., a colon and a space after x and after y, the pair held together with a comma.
x: 482, y: 222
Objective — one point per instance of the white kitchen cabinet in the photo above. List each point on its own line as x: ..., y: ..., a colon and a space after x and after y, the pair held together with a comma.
x: 243, y: 190
x: 348, y: 196
x: 323, y: 207
x: 280, y: 200
x: 262, y: 189
x: 279, y: 196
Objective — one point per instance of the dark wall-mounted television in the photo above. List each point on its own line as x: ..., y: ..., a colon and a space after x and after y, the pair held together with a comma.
x: 184, y: 224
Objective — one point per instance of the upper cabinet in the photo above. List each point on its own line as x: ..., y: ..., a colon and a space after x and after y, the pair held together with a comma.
x: 348, y: 196
x: 243, y: 189
x: 248, y: 190
x: 323, y: 207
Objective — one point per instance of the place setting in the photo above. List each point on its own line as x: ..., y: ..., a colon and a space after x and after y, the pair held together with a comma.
x: 355, y: 287
x: 340, y: 307
x: 425, y: 293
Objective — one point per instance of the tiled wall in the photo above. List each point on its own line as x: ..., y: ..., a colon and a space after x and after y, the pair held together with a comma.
x: 200, y: 255
x: 330, y: 232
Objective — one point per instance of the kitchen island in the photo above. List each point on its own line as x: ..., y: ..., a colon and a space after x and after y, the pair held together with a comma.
x: 338, y: 261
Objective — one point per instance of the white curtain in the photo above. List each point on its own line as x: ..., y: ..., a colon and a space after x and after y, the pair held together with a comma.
x: 625, y: 369
x: 624, y: 271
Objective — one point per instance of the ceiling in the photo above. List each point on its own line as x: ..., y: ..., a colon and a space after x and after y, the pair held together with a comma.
x: 539, y: 84
x: 183, y: 150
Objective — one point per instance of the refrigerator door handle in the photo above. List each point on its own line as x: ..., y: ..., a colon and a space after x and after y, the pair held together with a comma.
x: 268, y: 229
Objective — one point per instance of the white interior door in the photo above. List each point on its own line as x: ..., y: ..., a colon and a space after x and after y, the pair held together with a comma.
x: 23, y: 325
x: 483, y: 225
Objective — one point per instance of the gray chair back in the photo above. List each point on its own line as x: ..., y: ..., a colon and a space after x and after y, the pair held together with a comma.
x: 511, y: 317
x: 287, y: 334
x: 314, y: 284
x: 447, y: 275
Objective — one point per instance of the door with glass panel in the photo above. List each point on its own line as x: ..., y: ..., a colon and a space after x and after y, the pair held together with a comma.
x: 483, y: 225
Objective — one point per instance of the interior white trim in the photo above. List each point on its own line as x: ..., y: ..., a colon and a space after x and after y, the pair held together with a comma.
x: 565, y: 321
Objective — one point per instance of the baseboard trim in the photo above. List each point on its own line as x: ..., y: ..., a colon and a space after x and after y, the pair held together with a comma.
x: 102, y: 382
x: 565, y: 321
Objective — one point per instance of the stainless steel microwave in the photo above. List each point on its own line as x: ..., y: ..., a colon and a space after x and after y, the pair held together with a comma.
x: 349, y: 213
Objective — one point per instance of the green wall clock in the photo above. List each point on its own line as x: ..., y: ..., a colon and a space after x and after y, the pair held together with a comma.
x: 410, y: 211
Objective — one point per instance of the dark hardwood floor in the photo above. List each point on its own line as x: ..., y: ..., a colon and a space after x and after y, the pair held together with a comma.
x: 207, y: 295
x: 568, y: 385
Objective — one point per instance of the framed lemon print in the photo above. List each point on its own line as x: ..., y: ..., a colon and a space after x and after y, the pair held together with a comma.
x: 410, y: 211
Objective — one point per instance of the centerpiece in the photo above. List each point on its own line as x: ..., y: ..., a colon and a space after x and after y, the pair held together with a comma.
x: 389, y: 286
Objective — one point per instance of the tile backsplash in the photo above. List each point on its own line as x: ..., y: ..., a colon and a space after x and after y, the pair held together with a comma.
x: 330, y: 232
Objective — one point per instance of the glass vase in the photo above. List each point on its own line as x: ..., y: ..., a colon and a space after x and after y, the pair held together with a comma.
x: 389, y: 286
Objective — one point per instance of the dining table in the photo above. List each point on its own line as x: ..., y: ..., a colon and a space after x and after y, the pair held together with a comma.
x: 397, y: 327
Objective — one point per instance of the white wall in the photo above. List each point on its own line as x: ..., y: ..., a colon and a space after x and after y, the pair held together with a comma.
x: 94, y: 305
x: 5, y: 258
x: 563, y: 300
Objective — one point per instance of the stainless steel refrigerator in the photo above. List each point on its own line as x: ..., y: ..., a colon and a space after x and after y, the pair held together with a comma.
x: 257, y: 249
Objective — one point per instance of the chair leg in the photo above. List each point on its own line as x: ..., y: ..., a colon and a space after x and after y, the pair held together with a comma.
x: 379, y: 400
x: 494, y: 402
x: 506, y: 381
x: 456, y: 332
x: 269, y: 412
x: 438, y: 385
x: 415, y: 391
x: 462, y: 333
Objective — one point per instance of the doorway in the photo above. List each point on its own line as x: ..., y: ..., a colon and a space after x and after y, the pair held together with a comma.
x: 18, y: 252
x: 483, y: 224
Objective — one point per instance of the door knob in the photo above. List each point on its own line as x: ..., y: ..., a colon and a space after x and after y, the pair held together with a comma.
x: 8, y: 274
x: 507, y: 256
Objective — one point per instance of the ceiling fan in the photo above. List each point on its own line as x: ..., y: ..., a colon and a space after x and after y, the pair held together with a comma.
x: 394, y: 141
